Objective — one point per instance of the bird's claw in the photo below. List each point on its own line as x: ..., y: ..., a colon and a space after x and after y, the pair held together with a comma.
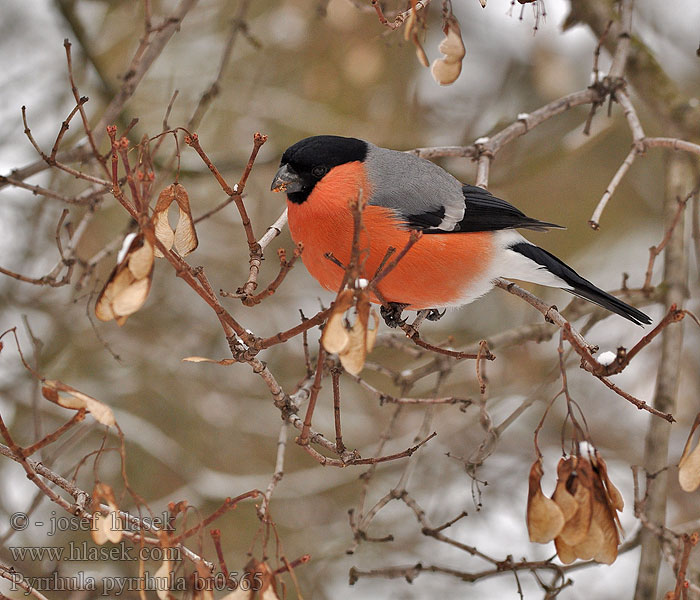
x: 392, y: 314
x: 549, y: 319
x: 434, y: 314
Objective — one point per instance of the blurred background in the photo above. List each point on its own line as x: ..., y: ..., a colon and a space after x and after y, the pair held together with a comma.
x: 202, y: 432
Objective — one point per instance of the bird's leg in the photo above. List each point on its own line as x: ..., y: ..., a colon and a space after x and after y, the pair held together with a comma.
x: 392, y: 314
x: 434, y: 314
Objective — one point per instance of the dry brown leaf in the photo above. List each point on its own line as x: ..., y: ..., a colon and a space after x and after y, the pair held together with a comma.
x: 68, y: 397
x: 446, y: 70
x: 544, y: 517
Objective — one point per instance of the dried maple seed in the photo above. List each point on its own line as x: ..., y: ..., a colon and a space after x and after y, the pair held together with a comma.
x: 689, y: 464
x: 184, y: 237
x: 544, y: 517
x: 350, y: 343
x: 128, y: 285
x: 105, y: 527
x: 446, y: 70
x: 68, y: 397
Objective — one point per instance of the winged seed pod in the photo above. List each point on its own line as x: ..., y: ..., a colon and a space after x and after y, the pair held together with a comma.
x: 162, y: 579
x: 689, y: 465
x: 128, y: 285
x: 184, y: 237
x: 613, y: 494
x: 105, y: 528
x: 335, y: 336
x: 545, y: 518
x: 68, y: 397
x: 410, y: 32
x: 351, y: 344
x: 361, y: 338
x: 581, y: 517
x: 446, y: 70
x: 589, y: 502
x: 578, y: 515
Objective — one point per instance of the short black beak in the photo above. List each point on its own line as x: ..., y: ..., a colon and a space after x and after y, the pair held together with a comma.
x: 286, y: 180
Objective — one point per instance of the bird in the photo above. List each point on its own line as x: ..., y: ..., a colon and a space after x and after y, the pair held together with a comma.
x: 469, y: 236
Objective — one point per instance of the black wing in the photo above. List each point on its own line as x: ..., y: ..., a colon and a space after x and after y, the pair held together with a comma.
x: 483, y: 212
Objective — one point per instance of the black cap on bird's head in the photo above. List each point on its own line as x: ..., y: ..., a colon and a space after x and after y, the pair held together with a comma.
x: 307, y: 161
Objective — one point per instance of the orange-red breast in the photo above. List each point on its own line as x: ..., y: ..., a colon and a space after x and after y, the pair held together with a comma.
x: 469, y: 235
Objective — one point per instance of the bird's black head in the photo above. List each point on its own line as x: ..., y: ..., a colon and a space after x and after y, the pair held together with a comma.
x: 307, y: 161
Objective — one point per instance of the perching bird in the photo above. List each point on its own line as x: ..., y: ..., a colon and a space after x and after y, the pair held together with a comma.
x: 469, y: 235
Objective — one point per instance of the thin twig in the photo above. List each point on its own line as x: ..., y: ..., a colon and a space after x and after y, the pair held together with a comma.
x: 654, y: 251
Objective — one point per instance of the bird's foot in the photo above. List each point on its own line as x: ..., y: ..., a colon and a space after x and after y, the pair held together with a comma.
x: 434, y: 314
x: 392, y: 314
x: 547, y: 318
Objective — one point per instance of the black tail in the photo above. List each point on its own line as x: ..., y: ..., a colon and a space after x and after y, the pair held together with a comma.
x: 579, y: 286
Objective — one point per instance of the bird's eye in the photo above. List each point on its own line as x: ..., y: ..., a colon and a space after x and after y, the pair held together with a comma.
x: 319, y: 171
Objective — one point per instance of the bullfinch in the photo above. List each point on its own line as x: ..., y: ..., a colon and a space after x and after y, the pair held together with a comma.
x: 469, y: 236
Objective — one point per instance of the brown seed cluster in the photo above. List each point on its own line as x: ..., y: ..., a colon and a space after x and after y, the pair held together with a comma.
x: 581, y: 516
